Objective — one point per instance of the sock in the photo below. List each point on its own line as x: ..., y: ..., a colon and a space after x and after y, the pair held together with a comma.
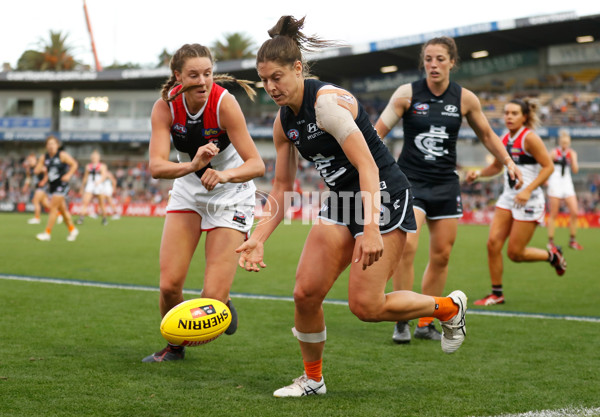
x: 425, y: 321
x: 445, y: 308
x: 175, y: 347
x: 572, y: 239
x: 71, y: 228
x: 497, y: 290
x: 550, y: 256
x: 551, y: 240
x: 48, y: 230
x: 314, y: 370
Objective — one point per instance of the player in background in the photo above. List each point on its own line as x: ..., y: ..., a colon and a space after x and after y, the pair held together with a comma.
x: 432, y: 110
x: 107, y: 191
x: 59, y: 167
x: 35, y: 184
x: 92, y: 186
x: 213, y: 191
x: 560, y: 187
x: 364, y: 221
x: 519, y: 211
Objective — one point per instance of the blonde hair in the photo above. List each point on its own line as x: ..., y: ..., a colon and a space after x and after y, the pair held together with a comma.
x: 196, y: 50
x: 529, y: 108
x: 288, y: 43
x: 563, y: 133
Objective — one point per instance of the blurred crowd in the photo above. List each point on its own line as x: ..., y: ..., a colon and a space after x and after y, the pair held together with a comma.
x: 136, y: 185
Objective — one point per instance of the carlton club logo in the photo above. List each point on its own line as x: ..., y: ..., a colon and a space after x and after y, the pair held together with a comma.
x: 293, y: 134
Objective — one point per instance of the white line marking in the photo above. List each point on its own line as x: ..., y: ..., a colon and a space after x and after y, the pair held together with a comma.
x: 563, y: 412
x: 133, y: 287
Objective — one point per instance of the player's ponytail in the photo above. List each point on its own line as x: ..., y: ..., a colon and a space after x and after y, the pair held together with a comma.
x: 288, y: 43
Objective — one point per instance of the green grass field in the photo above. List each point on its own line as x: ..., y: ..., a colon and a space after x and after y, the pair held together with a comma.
x: 74, y: 350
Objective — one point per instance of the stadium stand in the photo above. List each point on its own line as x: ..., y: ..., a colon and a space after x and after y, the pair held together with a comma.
x: 109, y: 110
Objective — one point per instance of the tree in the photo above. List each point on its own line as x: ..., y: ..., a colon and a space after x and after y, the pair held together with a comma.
x: 118, y: 65
x: 54, y: 54
x: 164, y: 59
x: 236, y: 46
x: 30, y: 60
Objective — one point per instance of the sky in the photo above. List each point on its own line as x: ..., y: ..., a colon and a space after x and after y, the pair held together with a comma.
x: 137, y: 31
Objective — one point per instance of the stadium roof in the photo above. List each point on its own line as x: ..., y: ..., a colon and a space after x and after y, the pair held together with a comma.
x: 335, y: 65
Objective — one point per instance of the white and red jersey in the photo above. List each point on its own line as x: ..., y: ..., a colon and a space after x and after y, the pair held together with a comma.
x: 533, y: 210
x: 94, y: 172
x: 530, y: 168
x: 560, y: 183
x: 191, y: 131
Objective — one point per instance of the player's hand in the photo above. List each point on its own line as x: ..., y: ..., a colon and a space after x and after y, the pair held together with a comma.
x: 211, y: 178
x: 251, y: 255
x: 472, y: 176
x: 368, y: 249
x: 522, y: 198
x: 514, y: 173
x: 204, y: 155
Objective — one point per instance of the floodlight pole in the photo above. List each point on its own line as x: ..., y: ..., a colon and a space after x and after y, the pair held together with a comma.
x: 89, y: 27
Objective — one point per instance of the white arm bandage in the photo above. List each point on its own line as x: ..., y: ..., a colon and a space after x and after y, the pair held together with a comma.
x: 333, y: 118
x: 389, y: 117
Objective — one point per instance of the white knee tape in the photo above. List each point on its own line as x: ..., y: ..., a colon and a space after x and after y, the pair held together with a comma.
x: 310, y: 337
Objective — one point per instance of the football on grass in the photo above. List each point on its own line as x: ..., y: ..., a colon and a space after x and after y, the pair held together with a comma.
x: 195, y: 322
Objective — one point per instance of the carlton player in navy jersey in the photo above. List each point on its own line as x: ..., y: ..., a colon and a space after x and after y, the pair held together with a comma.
x: 36, y: 185
x: 432, y: 110
x: 59, y: 167
x: 364, y: 221
x: 212, y: 190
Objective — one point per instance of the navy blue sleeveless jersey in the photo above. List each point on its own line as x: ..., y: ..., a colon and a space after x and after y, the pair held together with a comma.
x: 56, y: 168
x: 325, y: 152
x: 431, y: 126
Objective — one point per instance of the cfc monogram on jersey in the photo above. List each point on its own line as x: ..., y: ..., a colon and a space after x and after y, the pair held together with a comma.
x: 431, y: 128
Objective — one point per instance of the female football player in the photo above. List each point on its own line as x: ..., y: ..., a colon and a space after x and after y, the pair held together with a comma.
x: 59, y: 167
x: 363, y: 222
x: 432, y: 110
x: 519, y: 211
x: 560, y: 187
x: 213, y: 190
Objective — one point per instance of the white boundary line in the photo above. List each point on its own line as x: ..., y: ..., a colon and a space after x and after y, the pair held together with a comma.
x: 133, y: 287
x: 563, y: 412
